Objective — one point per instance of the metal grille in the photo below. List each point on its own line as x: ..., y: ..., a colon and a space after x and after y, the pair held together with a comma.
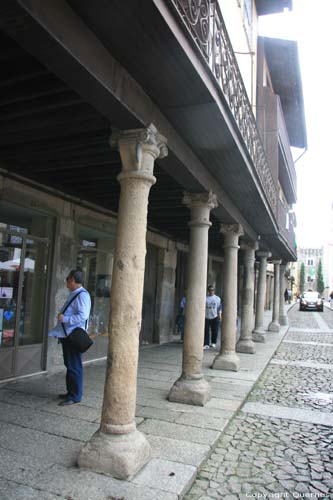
x: 204, y: 21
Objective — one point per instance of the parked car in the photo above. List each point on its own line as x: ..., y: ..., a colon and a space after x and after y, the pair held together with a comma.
x: 311, y: 301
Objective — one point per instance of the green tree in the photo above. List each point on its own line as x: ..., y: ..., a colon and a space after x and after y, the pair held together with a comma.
x: 320, y: 278
x: 302, y: 278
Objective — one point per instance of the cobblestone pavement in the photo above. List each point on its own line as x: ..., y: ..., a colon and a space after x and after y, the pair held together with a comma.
x: 295, y: 352
x: 319, y: 337
x: 302, y: 319
x: 328, y: 317
x: 268, y: 457
x: 305, y: 387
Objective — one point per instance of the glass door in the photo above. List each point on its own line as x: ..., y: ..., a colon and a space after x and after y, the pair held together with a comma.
x: 23, y: 272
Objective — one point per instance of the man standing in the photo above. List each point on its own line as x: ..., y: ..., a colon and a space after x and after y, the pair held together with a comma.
x: 213, y: 316
x: 74, y: 314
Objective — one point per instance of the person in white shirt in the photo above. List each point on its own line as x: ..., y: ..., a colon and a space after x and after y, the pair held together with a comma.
x: 213, y: 316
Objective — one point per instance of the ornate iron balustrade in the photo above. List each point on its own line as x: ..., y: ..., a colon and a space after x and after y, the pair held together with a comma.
x: 205, y: 23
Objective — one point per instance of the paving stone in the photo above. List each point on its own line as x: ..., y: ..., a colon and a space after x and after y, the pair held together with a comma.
x: 11, y: 491
x: 39, y: 444
x: 46, y: 422
x: 21, y: 467
x: 203, y: 421
x: 86, y: 485
x: 178, y: 450
x: 183, y: 432
x: 166, y: 475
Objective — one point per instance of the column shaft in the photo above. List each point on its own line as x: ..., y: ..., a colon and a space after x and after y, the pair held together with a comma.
x: 227, y: 358
x: 259, y: 332
x: 191, y: 387
x: 245, y: 343
x: 282, y: 311
x: 275, y: 325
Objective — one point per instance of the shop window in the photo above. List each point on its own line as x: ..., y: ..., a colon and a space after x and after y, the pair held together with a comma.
x: 95, y: 258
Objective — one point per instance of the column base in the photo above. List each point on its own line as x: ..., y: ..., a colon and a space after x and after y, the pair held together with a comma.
x: 274, y: 326
x: 226, y: 361
x: 120, y: 455
x: 190, y: 391
x: 245, y: 346
x: 259, y: 335
x: 283, y: 320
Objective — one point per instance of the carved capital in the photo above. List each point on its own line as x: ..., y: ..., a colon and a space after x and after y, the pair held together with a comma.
x: 231, y: 229
x: 276, y: 262
x: 139, y: 148
x: 200, y: 204
x: 204, y: 200
x: 249, y: 245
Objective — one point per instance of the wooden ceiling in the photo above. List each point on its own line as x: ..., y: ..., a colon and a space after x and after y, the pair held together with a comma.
x: 50, y: 135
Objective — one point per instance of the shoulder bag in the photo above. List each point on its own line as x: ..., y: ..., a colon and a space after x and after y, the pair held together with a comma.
x: 78, y: 338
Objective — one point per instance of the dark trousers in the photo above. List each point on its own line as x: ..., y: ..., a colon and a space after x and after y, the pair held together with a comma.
x: 74, y: 374
x: 213, y: 324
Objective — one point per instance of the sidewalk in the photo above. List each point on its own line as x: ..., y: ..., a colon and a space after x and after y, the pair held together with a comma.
x: 39, y: 440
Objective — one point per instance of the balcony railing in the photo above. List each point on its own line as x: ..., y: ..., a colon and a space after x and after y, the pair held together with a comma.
x: 204, y: 22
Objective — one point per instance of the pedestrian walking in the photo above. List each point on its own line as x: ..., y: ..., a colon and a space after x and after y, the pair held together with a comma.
x: 212, y: 318
x: 74, y: 314
x: 286, y: 296
x: 331, y: 300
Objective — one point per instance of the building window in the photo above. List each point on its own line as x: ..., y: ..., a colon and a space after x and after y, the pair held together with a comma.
x: 310, y: 262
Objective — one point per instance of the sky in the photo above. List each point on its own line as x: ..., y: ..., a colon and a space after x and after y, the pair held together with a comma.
x: 310, y: 24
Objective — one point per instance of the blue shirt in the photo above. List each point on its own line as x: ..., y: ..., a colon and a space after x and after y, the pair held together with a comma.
x: 76, y: 315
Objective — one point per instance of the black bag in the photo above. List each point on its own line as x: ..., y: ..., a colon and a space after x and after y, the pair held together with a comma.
x: 78, y: 338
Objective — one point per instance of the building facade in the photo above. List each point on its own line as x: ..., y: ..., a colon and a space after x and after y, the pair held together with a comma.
x: 310, y: 257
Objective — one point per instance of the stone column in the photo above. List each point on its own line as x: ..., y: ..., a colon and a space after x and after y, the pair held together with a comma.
x: 117, y: 448
x: 274, y: 326
x: 282, y: 312
x: 191, y: 387
x: 227, y: 358
x: 258, y: 334
x: 271, y: 292
x: 165, y: 294
x: 245, y: 343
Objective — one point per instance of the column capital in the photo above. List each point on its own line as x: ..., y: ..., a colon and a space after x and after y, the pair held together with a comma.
x: 200, y: 204
x: 232, y: 229
x: 134, y: 144
x: 263, y: 254
x: 204, y: 200
x: 276, y: 262
x: 249, y: 245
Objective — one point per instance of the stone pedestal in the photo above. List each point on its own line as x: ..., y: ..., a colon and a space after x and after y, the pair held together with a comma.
x: 259, y: 334
x: 245, y: 343
x: 117, y: 448
x: 274, y: 326
x: 191, y: 387
x: 227, y: 358
x: 283, y: 320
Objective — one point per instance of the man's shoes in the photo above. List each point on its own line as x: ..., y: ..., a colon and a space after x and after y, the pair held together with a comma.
x: 64, y: 396
x: 213, y: 346
x: 69, y: 402
x: 206, y: 347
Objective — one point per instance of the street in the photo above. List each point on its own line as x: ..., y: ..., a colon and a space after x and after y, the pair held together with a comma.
x: 280, y: 444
